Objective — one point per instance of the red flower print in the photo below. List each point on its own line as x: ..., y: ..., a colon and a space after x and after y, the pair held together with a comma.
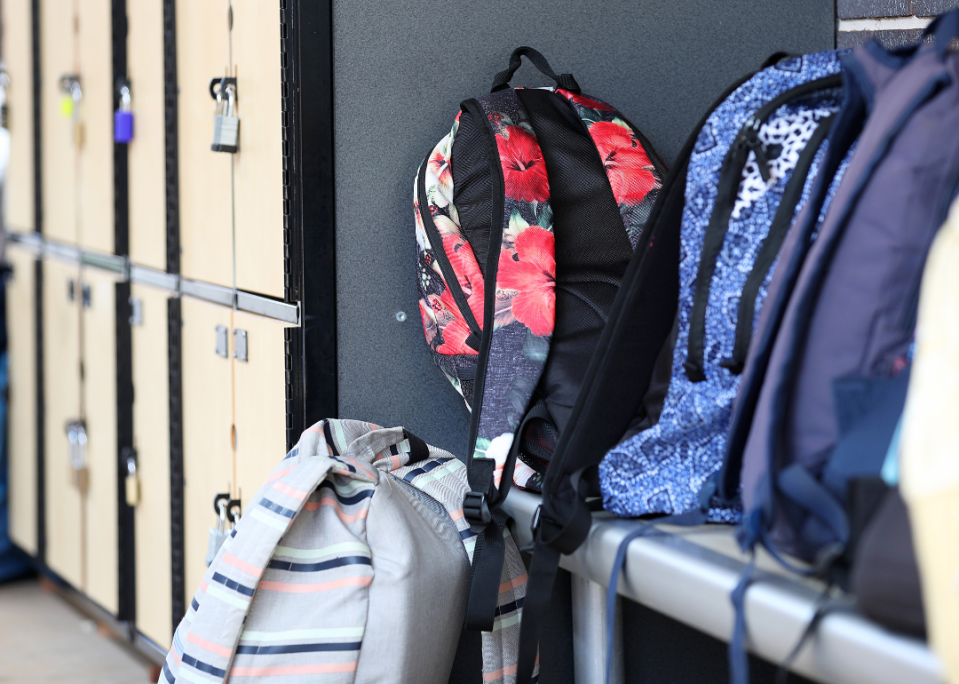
x: 429, y: 321
x: 454, y: 328
x: 531, y: 271
x: 627, y: 165
x: 439, y: 165
x: 467, y: 273
x: 524, y: 172
x: 584, y: 101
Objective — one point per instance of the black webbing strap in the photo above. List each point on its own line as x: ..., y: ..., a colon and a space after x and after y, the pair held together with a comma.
x: 419, y: 451
x: 771, y: 244
x: 539, y: 592
x: 564, y: 81
x: 732, y: 169
x: 482, y: 507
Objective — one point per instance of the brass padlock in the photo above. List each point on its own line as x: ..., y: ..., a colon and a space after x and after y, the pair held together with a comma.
x: 77, y: 439
x: 132, y: 483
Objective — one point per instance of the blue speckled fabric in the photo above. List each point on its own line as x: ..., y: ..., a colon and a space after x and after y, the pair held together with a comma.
x: 662, y: 469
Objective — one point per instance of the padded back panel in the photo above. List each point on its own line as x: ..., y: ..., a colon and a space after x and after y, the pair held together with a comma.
x: 401, y: 70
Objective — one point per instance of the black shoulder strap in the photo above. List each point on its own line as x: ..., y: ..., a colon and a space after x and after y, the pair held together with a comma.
x: 615, y: 383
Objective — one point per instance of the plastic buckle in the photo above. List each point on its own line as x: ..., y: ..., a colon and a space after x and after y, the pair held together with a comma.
x: 534, y: 523
x: 476, y: 510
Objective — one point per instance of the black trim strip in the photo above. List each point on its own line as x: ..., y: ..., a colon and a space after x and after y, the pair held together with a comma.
x: 38, y: 285
x: 41, y: 411
x: 473, y: 108
x: 771, y: 244
x: 177, y: 545
x: 126, y: 523
x: 439, y: 251
x: 171, y: 137
x: 729, y: 181
x: 306, y: 34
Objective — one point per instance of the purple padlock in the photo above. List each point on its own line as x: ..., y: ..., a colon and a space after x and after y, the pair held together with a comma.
x: 123, y: 118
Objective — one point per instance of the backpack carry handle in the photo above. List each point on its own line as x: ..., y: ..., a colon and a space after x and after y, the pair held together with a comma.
x: 564, y: 81
x: 945, y: 28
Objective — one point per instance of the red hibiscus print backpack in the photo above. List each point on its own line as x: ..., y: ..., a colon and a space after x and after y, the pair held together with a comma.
x: 527, y: 214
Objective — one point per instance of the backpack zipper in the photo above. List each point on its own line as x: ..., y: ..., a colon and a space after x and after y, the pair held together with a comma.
x: 446, y: 268
x: 747, y: 139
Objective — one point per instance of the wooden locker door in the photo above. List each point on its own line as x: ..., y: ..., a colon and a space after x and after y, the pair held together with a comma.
x: 207, y: 418
x: 99, y: 391
x: 22, y: 409
x: 59, y: 56
x: 61, y: 388
x: 147, y: 151
x: 203, y: 52
x: 96, y: 155
x: 260, y: 403
x: 151, y: 439
x: 259, y: 163
x: 16, y: 19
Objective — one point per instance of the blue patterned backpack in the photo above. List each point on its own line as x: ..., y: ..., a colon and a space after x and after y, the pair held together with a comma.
x: 658, y: 393
x: 750, y: 170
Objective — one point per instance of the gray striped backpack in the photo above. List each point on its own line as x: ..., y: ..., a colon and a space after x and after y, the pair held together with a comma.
x: 352, y: 563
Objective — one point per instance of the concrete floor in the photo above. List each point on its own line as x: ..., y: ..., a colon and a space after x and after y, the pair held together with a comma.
x: 44, y: 639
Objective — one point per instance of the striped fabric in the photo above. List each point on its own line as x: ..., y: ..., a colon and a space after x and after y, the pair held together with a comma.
x: 371, y: 559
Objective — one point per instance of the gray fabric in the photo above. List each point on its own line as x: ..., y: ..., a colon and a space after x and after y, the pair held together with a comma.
x: 419, y: 590
x: 401, y: 71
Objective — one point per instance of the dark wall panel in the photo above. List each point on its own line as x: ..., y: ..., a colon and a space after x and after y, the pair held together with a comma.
x: 401, y: 70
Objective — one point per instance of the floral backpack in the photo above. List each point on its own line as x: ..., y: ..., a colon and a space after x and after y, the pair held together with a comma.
x: 527, y: 214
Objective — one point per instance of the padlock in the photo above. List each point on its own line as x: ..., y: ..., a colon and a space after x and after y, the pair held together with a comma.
x: 123, y: 117
x: 226, y: 122
x: 72, y: 94
x: 77, y: 438
x: 132, y: 483
x: 219, y: 533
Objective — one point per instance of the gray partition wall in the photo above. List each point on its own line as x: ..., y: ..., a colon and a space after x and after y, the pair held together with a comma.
x: 401, y: 68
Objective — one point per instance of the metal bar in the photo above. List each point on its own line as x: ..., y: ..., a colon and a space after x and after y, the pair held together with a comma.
x: 590, y: 638
x: 688, y: 575
x: 208, y: 292
x: 142, y: 275
x: 271, y: 308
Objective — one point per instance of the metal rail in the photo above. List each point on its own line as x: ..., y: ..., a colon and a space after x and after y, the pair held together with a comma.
x: 177, y: 286
x: 688, y: 574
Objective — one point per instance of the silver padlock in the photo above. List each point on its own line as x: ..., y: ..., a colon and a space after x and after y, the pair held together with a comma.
x: 219, y: 533
x: 226, y: 122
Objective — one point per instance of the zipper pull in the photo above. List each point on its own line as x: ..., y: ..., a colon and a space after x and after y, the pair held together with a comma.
x: 753, y: 143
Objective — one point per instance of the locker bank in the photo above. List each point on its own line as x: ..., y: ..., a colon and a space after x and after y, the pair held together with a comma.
x: 209, y: 233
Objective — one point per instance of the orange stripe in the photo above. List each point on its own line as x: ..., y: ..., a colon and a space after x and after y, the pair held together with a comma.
x: 456, y: 515
x: 272, y: 477
x: 499, y: 674
x: 203, y: 586
x: 315, y: 428
x: 209, y: 645
x: 320, y: 668
x: 290, y: 491
x: 251, y: 570
x: 290, y: 588
x: 395, y: 460
x: 330, y: 501
x: 176, y: 656
x: 513, y: 584
x: 360, y: 466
